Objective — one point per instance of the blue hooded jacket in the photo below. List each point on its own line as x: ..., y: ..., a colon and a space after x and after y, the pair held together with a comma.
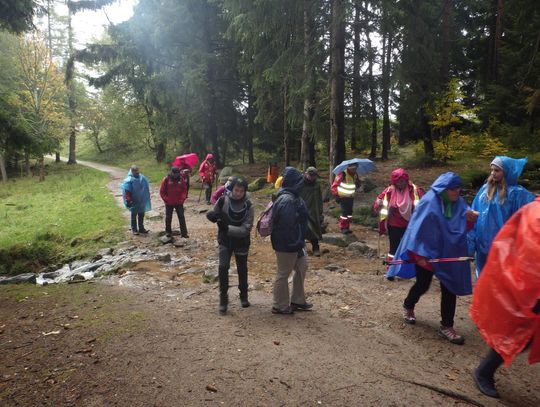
x: 140, y: 193
x: 289, y: 214
x: 492, y: 214
x: 431, y: 235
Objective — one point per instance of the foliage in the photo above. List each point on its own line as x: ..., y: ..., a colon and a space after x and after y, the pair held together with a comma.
x: 39, y: 219
x: 17, y: 15
x: 487, y: 146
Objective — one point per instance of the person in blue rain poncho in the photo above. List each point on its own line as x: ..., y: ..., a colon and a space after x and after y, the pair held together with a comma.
x: 437, y: 229
x: 136, y: 195
x: 498, y: 199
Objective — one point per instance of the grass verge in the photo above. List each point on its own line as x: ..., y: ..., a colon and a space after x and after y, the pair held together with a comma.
x: 69, y: 215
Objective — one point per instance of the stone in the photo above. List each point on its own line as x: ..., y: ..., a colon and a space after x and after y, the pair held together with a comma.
x: 18, y: 279
x: 77, y: 277
x: 210, y: 276
x: 257, y: 184
x: 362, y: 249
x: 105, y: 252
x: 335, y: 268
x: 165, y: 257
x: 201, y: 209
x: 256, y: 286
x: 165, y: 239
x: 339, y: 239
x: 153, y: 215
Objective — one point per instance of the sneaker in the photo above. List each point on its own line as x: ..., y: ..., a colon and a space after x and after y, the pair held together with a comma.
x: 485, y: 384
x: 135, y: 232
x: 317, y: 253
x: 284, y: 311
x: 185, y: 236
x: 450, y: 334
x: 301, y: 307
x: 408, y: 316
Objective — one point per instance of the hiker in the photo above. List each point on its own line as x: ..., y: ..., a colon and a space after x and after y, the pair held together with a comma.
x: 273, y: 173
x: 173, y: 191
x: 496, y: 201
x: 343, y: 188
x: 136, y: 196
x: 185, y: 170
x: 234, y: 215
x: 506, y: 299
x: 289, y: 224
x: 395, y: 206
x: 223, y: 189
x: 312, y: 195
x: 207, y: 173
x: 437, y: 230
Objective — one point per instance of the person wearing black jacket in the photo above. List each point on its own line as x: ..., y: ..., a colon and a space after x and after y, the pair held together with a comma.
x: 234, y: 215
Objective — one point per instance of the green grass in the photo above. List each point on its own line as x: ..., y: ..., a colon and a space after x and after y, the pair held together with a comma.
x: 40, y: 220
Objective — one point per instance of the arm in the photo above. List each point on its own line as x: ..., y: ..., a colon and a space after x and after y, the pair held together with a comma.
x: 162, y: 192
x: 245, y: 228
x: 377, y: 204
x: 335, y: 184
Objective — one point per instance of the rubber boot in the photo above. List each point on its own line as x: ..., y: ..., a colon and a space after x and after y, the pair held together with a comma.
x: 223, y: 302
x: 389, y: 257
x: 244, y: 299
x: 484, y: 374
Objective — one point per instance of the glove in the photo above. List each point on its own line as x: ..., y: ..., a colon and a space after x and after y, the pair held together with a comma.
x: 212, y: 216
x: 223, y: 226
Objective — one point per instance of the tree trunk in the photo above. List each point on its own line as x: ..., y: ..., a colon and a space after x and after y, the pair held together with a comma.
x: 72, y: 159
x: 307, y: 137
x: 386, y: 67
x: 3, y: 167
x: 251, y: 126
x: 495, y: 41
x: 41, y: 169
x: 27, y: 164
x: 286, y: 138
x: 160, y: 152
x: 337, y: 89
x: 372, y: 97
x: 356, y: 76
x: 445, y: 41
x: 57, y: 157
x: 426, y: 133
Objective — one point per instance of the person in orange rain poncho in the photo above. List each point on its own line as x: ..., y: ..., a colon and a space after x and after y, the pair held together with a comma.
x: 506, y: 299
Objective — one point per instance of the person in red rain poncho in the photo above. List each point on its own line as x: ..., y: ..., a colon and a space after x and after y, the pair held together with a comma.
x: 506, y: 299
x: 395, y: 206
x: 207, y: 173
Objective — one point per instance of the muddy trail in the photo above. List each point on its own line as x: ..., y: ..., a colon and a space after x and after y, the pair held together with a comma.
x: 152, y: 336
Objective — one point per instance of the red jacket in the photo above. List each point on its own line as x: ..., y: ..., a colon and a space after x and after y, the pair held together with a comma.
x: 394, y: 217
x: 207, y: 170
x: 173, y: 192
x: 339, y: 178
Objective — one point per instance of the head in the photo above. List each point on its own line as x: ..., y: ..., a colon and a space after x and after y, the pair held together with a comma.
x: 453, y: 193
x: 175, y: 173
x: 239, y: 188
x: 135, y: 171
x: 352, y: 168
x: 210, y: 157
x: 496, y: 174
x: 311, y: 174
x: 293, y: 180
x: 230, y: 182
x: 447, y: 182
x: 399, y: 178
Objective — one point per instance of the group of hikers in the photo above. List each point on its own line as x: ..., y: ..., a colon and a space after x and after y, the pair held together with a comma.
x: 430, y: 234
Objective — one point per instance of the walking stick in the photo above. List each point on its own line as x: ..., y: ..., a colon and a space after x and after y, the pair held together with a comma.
x: 441, y: 260
x: 378, y: 249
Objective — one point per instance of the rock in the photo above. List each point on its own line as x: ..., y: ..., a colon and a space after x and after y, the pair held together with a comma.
x: 210, y: 276
x: 179, y: 243
x: 105, y: 252
x: 225, y: 173
x: 165, y: 258
x: 258, y: 183
x: 362, y: 249
x: 77, y: 277
x: 153, y: 215
x: 165, y: 239
x: 192, y: 270
x: 339, y: 239
x: 52, y: 275
x: 335, y: 268
x: 21, y: 278
x: 202, y: 209
x: 256, y: 286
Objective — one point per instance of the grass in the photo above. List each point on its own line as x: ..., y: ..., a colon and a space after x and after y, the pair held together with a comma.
x: 69, y: 215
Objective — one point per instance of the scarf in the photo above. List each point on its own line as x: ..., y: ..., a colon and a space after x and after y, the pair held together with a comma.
x: 447, y: 204
x: 402, y: 201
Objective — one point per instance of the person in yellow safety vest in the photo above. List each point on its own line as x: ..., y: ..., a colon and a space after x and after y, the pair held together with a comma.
x: 343, y: 188
x: 395, y: 205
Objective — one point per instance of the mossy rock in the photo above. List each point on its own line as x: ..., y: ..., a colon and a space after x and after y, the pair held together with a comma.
x: 257, y: 184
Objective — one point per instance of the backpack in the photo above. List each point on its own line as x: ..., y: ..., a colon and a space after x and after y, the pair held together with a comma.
x: 264, y: 224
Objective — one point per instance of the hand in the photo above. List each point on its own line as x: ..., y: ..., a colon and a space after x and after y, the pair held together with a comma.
x: 472, y: 216
x: 212, y: 216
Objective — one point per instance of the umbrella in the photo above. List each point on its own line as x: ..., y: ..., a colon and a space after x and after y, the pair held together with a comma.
x: 364, y: 166
x: 190, y: 160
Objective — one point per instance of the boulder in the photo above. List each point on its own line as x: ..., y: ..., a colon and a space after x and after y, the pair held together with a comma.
x: 165, y: 239
x: 153, y: 215
x: 210, y: 276
x: 21, y: 278
x: 335, y: 267
x: 339, y: 239
x: 362, y: 249
x: 258, y: 183
x: 164, y: 257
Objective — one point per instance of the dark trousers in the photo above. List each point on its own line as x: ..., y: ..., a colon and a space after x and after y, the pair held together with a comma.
x: 169, y: 210
x: 207, y: 191
x: 489, y: 365
x: 448, y: 300
x: 137, y: 217
x: 346, y: 206
x: 225, y: 255
x: 395, y: 235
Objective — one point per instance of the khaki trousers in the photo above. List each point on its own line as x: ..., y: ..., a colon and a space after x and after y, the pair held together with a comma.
x: 286, y: 263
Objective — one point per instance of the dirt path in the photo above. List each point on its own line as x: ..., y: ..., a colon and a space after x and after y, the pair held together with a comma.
x: 162, y: 342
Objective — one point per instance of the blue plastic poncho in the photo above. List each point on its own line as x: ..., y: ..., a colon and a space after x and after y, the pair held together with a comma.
x: 430, y: 234
x: 493, y: 214
x: 140, y: 192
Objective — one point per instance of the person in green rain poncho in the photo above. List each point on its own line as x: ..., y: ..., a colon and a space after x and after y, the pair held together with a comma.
x: 312, y: 195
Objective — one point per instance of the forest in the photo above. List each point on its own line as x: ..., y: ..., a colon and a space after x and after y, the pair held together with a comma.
x: 299, y: 81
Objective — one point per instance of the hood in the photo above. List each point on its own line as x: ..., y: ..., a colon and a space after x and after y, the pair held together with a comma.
x: 447, y: 180
x: 293, y: 180
x: 130, y: 174
x: 208, y: 156
x: 512, y: 168
x: 397, y: 174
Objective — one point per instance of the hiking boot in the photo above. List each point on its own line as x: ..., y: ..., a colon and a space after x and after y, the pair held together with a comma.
x: 301, y: 307
x: 168, y: 234
x: 450, y: 334
x: 143, y: 231
x: 316, y: 252
x: 135, y: 232
x: 485, y: 384
x: 244, y: 301
x: 284, y: 311
x: 346, y: 231
x: 408, y: 316
x: 185, y: 236
x: 223, y: 303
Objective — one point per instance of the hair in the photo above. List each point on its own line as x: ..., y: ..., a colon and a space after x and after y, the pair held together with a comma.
x: 134, y: 168
x: 493, y: 186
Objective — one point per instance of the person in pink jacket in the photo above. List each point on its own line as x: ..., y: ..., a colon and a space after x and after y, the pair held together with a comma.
x: 207, y: 173
x: 395, y: 206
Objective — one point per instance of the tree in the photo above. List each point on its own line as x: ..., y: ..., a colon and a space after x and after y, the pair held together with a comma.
x: 17, y: 15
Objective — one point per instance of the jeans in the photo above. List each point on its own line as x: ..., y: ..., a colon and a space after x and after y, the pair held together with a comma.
x: 137, y: 217
x: 169, y: 210
x: 225, y: 255
x: 448, y: 299
x: 286, y: 263
x: 395, y: 234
